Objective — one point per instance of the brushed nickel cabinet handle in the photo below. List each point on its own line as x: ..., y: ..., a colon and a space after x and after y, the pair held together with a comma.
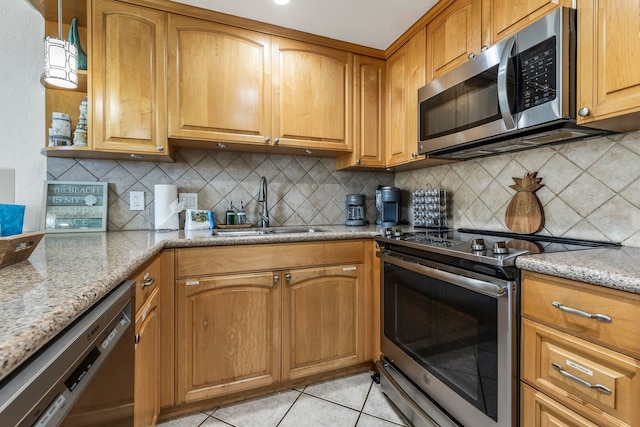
x: 472, y: 55
x: 276, y: 278
x: 160, y: 147
x: 136, y: 339
x: 148, y: 281
x: 276, y: 141
x: 267, y: 139
x: 575, y: 311
x: 287, y: 277
x: 580, y: 381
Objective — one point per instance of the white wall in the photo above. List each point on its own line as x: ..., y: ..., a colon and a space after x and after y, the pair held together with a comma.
x: 22, y: 104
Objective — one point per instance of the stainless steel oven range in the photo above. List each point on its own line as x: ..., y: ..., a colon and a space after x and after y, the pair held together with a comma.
x: 449, y: 324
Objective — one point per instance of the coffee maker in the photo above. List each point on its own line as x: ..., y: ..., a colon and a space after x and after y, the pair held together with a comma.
x: 355, y: 209
x: 387, y: 206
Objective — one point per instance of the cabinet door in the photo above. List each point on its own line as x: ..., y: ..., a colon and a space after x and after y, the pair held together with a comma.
x: 608, y: 71
x: 453, y: 36
x: 538, y: 410
x: 322, y: 320
x: 128, y: 79
x: 312, y: 99
x: 219, y: 82
x: 369, y: 117
x: 405, y: 75
x: 227, y: 334
x: 147, y: 363
x: 505, y: 17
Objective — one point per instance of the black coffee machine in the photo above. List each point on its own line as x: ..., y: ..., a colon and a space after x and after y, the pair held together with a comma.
x: 387, y: 206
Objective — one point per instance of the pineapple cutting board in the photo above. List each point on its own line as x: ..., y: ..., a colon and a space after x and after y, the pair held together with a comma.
x: 525, y: 214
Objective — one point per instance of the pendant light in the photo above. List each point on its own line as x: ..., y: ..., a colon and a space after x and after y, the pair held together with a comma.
x: 60, y: 59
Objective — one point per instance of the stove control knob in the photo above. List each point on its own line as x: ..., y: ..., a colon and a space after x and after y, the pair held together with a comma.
x: 500, y: 248
x: 477, y: 245
x: 397, y: 233
x: 388, y: 232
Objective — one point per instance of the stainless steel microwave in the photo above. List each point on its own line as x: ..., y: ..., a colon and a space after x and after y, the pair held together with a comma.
x: 518, y: 94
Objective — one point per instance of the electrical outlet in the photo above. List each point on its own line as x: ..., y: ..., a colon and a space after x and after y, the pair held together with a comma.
x: 136, y: 200
x: 190, y: 200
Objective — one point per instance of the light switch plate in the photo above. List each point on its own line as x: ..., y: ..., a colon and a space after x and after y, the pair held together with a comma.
x: 190, y: 200
x: 136, y: 200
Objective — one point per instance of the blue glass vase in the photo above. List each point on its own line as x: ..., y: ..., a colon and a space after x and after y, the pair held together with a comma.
x: 74, y: 39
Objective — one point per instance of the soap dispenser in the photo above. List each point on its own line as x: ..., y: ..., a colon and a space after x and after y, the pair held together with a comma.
x: 231, y: 215
x: 241, y: 216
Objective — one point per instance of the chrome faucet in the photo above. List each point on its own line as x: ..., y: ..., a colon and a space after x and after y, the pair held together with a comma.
x: 262, y: 198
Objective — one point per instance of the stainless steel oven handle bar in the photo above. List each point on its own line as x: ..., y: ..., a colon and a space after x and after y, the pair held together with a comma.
x: 575, y: 311
x: 503, y: 98
x: 480, y: 286
x: 580, y: 381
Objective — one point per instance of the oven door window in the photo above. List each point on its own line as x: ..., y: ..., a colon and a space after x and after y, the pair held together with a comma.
x: 449, y: 330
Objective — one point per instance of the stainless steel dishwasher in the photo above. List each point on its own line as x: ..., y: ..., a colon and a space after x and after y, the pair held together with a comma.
x: 83, y: 377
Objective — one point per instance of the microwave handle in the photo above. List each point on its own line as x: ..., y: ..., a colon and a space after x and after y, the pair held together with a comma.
x: 503, y: 96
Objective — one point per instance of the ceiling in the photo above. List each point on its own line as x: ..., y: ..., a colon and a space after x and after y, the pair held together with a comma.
x: 371, y: 23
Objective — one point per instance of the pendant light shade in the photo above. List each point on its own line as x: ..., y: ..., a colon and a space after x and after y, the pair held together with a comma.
x: 60, y: 63
x: 60, y: 59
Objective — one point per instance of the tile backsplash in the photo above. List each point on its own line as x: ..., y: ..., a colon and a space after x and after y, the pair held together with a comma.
x: 591, y: 188
x: 302, y: 190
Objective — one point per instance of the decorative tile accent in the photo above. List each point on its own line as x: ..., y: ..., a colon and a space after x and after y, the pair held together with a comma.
x: 302, y: 190
x: 592, y: 188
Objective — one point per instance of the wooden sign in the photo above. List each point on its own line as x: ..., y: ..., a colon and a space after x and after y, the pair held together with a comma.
x: 74, y: 206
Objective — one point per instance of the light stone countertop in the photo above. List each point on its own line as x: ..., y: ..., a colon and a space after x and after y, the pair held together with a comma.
x: 68, y: 273
x: 616, y: 268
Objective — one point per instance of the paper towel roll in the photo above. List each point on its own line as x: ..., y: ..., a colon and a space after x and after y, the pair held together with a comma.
x: 165, y: 195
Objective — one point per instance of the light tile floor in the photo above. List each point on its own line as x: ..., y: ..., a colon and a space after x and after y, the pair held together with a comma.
x: 354, y: 401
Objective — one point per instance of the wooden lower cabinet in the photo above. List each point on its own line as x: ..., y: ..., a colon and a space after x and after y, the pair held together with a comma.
x: 147, y: 362
x: 301, y: 313
x: 228, y: 335
x: 578, y: 371
x: 538, y: 410
x: 322, y: 320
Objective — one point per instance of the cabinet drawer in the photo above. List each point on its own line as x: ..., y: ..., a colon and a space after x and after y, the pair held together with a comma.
x: 593, y: 380
x: 147, y: 280
x: 538, y: 410
x: 269, y: 257
x: 622, y: 333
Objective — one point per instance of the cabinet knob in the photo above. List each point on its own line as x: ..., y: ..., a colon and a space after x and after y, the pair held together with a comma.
x: 136, y: 339
x: 267, y: 139
x: 472, y: 55
x: 160, y: 147
x: 584, y: 112
x: 358, y: 162
x: 414, y: 155
x: 276, y: 278
x: 287, y: 277
x: 276, y: 141
x: 484, y: 47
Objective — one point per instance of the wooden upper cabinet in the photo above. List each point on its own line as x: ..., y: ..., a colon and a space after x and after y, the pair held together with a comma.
x: 608, y: 64
x: 405, y: 75
x: 128, y: 97
x: 505, y: 17
x: 453, y: 36
x: 369, y: 115
x: 312, y: 96
x: 219, y: 82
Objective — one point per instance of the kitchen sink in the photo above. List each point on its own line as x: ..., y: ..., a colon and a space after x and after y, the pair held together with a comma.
x: 265, y: 232
x: 239, y: 233
x: 296, y: 230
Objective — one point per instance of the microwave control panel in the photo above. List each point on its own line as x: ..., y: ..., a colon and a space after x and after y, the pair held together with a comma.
x: 537, y: 66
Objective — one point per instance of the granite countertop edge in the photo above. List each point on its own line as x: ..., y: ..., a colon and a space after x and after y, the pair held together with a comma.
x: 24, y: 331
x: 614, y: 268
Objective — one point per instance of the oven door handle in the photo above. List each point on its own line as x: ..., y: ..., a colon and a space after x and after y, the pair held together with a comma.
x: 480, y: 286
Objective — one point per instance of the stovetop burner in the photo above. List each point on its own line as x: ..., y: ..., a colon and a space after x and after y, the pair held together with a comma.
x: 486, y: 247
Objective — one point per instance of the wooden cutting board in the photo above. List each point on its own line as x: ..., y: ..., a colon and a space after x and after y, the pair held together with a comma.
x: 525, y: 214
